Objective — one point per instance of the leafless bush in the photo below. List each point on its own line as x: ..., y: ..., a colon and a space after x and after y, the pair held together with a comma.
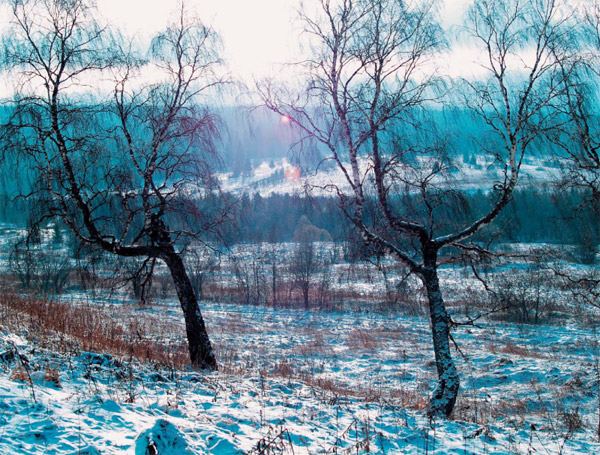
x: 19, y: 374
x: 202, y: 264
x: 43, y: 271
x: 277, y: 441
x: 52, y: 375
x: 572, y: 420
x: 525, y: 294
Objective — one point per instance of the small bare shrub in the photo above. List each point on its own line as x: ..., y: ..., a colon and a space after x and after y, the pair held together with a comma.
x: 527, y: 295
x: 572, y: 420
x: 277, y: 441
x: 52, y: 375
x: 283, y: 368
x: 19, y: 374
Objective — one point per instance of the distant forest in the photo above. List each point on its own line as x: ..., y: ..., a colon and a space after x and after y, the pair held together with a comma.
x: 534, y: 215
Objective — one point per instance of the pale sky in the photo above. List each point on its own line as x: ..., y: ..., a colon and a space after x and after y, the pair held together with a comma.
x: 258, y: 35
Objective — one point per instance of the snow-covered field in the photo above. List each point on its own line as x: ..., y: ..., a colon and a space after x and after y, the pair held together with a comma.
x: 305, y: 382
x: 297, y: 382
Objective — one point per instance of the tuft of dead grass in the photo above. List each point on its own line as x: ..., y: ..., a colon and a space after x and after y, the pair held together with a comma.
x: 52, y: 375
x: 511, y: 348
x: 362, y: 339
x: 411, y: 398
x: 19, y: 374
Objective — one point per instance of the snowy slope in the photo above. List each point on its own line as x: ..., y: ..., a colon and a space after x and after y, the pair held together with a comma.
x: 305, y: 383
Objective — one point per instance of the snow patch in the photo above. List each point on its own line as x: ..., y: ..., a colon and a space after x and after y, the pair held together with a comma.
x: 164, y: 438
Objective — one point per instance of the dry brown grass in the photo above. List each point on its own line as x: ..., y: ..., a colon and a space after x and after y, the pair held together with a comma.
x: 511, y: 348
x: 329, y: 385
x: 411, y: 398
x: 67, y: 327
x: 234, y: 323
x: 363, y: 339
x: 19, y: 374
x: 52, y: 375
x: 283, y: 369
x: 315, y: 345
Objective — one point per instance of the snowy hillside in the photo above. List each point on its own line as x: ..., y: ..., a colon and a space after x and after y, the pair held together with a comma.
x: 282, y: 177
x: 297, y: 383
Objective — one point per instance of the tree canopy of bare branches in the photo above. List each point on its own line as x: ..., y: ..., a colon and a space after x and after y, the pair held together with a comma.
x: 579, y: 140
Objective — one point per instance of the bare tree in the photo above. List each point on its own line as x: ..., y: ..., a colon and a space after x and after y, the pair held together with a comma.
x: 370, y: 86
x: 248, y: 263
x: 116, y: 164
x: 202, y: 263
x: 580, y: 138
x: 579, y: 142
x: 44, y: 271
x: 304, y: 267
x: 306, y: 260
x: 271, y: 258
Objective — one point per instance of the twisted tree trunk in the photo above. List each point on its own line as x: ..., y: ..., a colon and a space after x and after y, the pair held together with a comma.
x: 200, y: 348
x: 444, y: 396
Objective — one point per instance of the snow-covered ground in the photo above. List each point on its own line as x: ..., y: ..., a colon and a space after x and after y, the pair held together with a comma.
x: 304, y: 383
x: 294, y: 382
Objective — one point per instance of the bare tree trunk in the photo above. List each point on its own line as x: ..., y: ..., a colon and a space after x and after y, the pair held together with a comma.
x: 444, y: 396
x: 200, y: 288
x: 305, y: 290
x: 274, y: 283
x: 201, y: 353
